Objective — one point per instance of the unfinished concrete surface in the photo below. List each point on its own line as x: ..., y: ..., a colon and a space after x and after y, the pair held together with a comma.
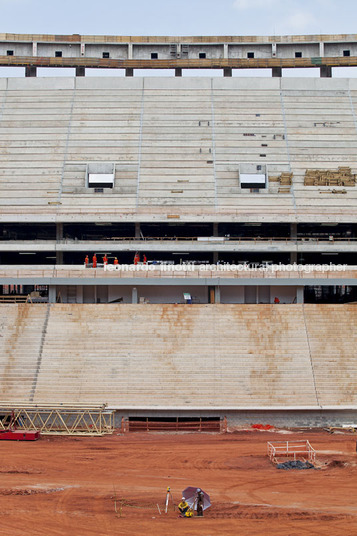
x: 178, y: 145
x: 181, y: 358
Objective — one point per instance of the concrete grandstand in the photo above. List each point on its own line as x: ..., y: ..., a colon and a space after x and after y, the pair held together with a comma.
x: 237, y: 199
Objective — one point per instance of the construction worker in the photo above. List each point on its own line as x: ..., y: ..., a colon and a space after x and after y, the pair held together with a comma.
x: 183, y: 507
x: 105, y: 259
x: 199, y: 501
x: 94, y: 261
x: 276, y: 300
x: 86, y: 261
x: 136, y: 258
x: 116, y: 260
x: 144, y: 259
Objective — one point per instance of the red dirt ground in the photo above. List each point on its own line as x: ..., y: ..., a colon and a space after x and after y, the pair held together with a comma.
x: 67, y: 486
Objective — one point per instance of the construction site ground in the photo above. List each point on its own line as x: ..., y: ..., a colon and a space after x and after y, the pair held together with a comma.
x: 73, y: 485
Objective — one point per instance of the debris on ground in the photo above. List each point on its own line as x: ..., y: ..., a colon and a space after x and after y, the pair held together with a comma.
x: 295, y: 464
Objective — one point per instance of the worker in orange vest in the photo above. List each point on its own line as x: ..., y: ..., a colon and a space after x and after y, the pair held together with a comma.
x: 144, y: 259
x: 105, y: 259
x: 86, y: 261
x: 136, y: 258
x: 94, y: 261
x: 116, y: 260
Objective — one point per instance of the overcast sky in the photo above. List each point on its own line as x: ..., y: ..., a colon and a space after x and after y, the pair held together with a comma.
x: 179, y: 17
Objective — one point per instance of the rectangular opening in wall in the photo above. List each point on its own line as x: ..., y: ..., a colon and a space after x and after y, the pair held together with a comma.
x: 106, y: 55
x: 252, y: 180
x: 100, y: 175
x: 174, y: 424
x: 9, y: 52
x: 202, y: 55
x: 58, y: 54
x: 298, y: 54
x: 250, y: 55
x: 347, y: 53
x: 154, y: 55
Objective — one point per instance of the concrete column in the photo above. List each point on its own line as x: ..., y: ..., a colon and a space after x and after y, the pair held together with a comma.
x: 130, y: 51
x: 225, y: 50
x: 325, y: 71
x: 215, y: 257
x: 59, y: 236
x: 134, y: 295
x: 52, y: 293
x: 30, y: 71
x: 293, y: 236
x: 293, y: 231
x: 34, y: 48
x: 217, y: 294
x: 137, y: 229
x: 178, y: 71
x: 215, y: 228
x: 129, y: 72
x: 80, y: 71
x: 79, y: 297
x: 227, y: 71
x: 277, y: 72
x: 299, y: 294
x: 322, y: 49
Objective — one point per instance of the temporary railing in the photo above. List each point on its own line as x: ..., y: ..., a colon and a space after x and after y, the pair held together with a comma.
x: 64, y: 419
x: 300, y: 449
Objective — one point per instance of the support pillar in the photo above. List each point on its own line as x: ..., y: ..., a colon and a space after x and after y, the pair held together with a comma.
x: 277, y: 72
x: 217, y: 294
x: 129, y: 72
x: 52, y: 294
x: 215, y: 228
x: 59, y: 237
x: 293, y: 236
x: 227, y: 71
x: 134, y: 295
x: 178, y: 71
x: 79, y: 296
x: 137, y: 230
x: 299, y: 294
x: 215, y: 257
x: 30, y: 71
x: 325, y: 71
x: 80, y: 71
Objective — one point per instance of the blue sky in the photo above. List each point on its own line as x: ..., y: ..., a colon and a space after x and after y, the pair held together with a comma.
x: 179, y: 17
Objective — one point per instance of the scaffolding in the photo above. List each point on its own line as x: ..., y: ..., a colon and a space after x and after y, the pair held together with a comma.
x: 63, y: 419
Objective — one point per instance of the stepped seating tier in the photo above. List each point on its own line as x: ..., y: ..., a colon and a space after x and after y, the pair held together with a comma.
x: 180, y: 356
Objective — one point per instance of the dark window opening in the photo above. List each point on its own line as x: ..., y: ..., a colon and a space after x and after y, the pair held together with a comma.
x: 58, y: 54
x: 106, y: 55
x: 202, y: 55
x: 154, y: 55
x: 347, y: 53
x: 98, y: 190
x: 259, y: 168
x: 298, y: 54
x: 264, y: 145
x: 9, y: 52
x: 262, y: 155
x: 250, y: 55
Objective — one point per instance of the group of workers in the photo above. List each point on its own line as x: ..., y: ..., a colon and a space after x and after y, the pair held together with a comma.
x: 115, y: 261
x: 187, y: 511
